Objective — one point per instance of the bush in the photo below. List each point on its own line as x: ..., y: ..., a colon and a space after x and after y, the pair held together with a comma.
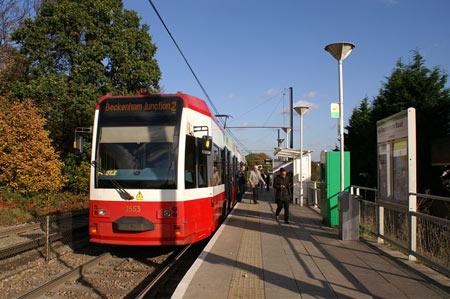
x: 28, y: 161
x: 16, y: 207
x: 77, y: 171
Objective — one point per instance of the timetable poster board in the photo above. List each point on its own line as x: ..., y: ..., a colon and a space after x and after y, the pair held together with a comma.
x: 396, y: 142
x: 400, y: 170
x: 382, y: 171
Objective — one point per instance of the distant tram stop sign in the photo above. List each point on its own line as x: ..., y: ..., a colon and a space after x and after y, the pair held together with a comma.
x: 334, y: 110
x: 396, y: 147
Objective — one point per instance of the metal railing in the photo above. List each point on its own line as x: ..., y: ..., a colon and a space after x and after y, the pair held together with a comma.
x: 314, y: 194
x: 421, y: 235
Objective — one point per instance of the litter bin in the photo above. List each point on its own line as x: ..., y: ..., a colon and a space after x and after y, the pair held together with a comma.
x: 348, y: 216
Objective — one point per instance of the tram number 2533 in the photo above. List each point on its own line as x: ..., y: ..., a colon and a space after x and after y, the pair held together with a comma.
x: 132, y: 209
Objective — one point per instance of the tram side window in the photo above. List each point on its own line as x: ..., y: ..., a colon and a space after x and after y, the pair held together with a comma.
x: 189, y: 172
x: 217, y: 169
x: 202, y: 166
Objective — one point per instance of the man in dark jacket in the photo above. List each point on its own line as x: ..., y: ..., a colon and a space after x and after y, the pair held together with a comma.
x: 268, y: 181
x: 282, y: 195
x: 241, y: 178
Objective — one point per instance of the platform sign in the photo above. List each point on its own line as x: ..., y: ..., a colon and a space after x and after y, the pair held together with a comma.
x: 334, y: 110
x: 396, y: 139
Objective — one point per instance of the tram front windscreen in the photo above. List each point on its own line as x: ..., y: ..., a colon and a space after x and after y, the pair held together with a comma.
x: 137, y: 143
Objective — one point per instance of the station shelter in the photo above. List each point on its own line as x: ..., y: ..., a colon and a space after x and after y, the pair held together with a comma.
x: 289, y: 159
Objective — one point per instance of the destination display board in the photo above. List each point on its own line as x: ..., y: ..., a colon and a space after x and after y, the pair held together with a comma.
x: 144, y: 110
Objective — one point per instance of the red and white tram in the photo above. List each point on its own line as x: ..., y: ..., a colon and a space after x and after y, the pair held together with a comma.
x: 161, y: 172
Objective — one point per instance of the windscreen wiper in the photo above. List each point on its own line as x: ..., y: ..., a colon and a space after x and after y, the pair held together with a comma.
x: 123, y: 193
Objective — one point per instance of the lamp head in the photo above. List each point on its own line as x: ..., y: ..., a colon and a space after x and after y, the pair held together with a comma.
x: 340, y: 51
x: 301, y: 109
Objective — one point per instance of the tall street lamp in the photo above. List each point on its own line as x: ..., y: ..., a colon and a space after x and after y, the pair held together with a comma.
x: 340, y: 51
x: 301, y: 111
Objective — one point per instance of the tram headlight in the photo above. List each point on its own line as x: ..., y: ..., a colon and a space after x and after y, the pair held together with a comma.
x: 101, y: 212
x: 166, y: 213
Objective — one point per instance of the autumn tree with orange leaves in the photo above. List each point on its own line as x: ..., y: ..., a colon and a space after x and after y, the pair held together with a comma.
x: 28, y: 161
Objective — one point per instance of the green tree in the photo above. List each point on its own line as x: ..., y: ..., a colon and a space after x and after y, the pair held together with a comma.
x: 315, y: 171
x: 361, y: 131
x: 410, y: 85
x: 257, y: 159
x: 13, y: 68
x: 79, y: 51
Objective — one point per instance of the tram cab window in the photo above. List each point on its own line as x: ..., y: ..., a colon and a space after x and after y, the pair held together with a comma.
x: 202, y: 165
x: 217, y: 169
x: 190, y: 171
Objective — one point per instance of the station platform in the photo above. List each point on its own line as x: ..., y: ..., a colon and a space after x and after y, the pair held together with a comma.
x: 254, y: 256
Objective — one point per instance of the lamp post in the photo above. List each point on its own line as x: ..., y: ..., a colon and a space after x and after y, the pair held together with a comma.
x: 340, y: 51
x: 301, y: 111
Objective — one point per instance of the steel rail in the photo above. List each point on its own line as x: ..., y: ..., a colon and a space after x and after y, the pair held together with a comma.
x: 161, y: 274
x: 28, y: 245
x: 33, y: 226
x: 71, y: 275
x: 20, y: 229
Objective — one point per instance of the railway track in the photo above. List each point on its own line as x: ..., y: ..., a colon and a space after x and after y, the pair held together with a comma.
x: 19, y: 239
x: 109, y: 276
x: 165, y: 285
x: 19, y: 229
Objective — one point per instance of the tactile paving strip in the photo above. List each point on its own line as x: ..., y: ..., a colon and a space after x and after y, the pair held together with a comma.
x: 248, y: 275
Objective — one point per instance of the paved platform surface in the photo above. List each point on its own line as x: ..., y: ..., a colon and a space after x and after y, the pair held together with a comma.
x: 254, y: 256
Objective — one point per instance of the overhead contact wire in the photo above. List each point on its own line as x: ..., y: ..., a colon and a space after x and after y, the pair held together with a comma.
x: 185, y: 60
x: 195, y: 76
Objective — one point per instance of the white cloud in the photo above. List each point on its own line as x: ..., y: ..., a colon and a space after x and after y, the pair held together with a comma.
x: 269, y: 93
x: 311, y: 105
x: 310, y: 95
x: 391, y: 2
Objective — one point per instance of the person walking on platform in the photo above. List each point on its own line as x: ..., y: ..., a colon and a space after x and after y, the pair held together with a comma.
x: 282, y: 195
x: 254, y: 179
x: 241, y: 178
x: 268, y: 181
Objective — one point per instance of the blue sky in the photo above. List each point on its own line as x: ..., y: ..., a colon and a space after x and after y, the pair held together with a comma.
x: 246, y: 52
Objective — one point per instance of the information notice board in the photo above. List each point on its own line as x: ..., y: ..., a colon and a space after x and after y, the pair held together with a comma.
x: 396, y: 143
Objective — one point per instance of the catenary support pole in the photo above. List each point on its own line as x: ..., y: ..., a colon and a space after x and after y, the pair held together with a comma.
x: 291, y: 113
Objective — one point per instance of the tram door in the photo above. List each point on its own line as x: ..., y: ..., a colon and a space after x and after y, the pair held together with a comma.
x: 224, y: 174
x: 234, y: 183
x: 228, y: 176
x: 230, y: 179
